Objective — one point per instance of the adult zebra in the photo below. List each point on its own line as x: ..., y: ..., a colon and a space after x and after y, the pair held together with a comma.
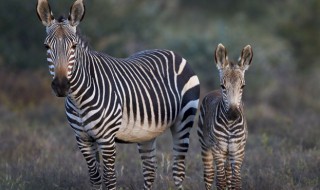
x: 222, y: 126
x: 127, y: 100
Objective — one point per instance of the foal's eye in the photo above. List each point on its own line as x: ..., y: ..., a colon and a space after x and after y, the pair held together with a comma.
x: 223, y: 87
x: 46, y: 46
x: 74, y: 46
x: 243, y: 86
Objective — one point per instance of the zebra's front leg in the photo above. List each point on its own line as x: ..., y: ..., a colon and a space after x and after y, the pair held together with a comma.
x: 208, y: 169
x: 108, y: 152
x: 220, y: 161
x: 89, y: 149
x: 147, y: 152
x: 236, y: 157
x: 228, y: 174
x: 236, y: 173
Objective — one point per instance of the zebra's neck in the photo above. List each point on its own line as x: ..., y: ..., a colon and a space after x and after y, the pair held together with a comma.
x: 85, y: 82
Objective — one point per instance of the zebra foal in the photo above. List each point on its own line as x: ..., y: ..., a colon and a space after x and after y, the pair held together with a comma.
x: 222, y: 127
x: 111, y: 100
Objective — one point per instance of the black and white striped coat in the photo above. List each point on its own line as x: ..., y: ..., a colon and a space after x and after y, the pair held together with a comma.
x: 222, y: 125
x: 112, y: 100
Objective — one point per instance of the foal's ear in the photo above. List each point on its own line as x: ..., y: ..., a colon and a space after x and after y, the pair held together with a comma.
x: 77, y: 12
x: 44, y: 12
x: 246, y: 57
x: 221, y: 57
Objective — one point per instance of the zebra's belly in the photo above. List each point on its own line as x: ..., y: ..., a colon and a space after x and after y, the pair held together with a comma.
x: 139, y: 133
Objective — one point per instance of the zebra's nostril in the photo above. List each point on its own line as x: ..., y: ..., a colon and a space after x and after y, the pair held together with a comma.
x: 60, y: 87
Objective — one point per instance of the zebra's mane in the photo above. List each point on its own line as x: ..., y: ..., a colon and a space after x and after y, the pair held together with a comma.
x: 84, y: 40
x: 61, y: 19
x: 234, y: 65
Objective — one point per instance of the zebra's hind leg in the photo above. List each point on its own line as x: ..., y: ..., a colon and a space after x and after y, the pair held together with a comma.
x: 147, y: 152
x: 89, y: 149
x: 180, y: 134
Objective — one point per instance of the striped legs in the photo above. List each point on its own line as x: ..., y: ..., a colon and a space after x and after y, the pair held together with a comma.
x: 89, y: 149
x: 207, y: 155
x: 228, y: 174
x: 236, y: 177
x: 236, y: 156
x: 224, y: 170
x: 108, y: 152
x: 220, y: 161
x: 147, y: 152
x: 207, y: 159
x: 180, y: 135
x: 236, y: 160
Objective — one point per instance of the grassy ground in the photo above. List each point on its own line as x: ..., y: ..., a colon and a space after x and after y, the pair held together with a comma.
x: 45, y: 156
x: 38, y: 149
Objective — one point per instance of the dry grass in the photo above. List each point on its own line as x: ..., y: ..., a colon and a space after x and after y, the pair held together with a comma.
x: 38, y: 149
x: 46, y: 157
x: 38, y: 156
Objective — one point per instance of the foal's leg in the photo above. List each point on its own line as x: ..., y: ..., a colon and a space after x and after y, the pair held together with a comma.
x: 228, y: 173
x: 208, y: 167
x: 220, y: 161
x: 236, y: 164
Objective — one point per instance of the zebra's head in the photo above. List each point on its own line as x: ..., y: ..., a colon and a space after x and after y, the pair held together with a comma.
x: 232, y: 79
x: 61, y: 43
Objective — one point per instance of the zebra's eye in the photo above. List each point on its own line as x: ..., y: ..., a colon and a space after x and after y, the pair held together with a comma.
x: 223, y: 87
x: 242, y: 86
x: 46, y: 46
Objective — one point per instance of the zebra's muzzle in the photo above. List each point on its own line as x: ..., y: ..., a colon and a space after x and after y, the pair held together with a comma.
x: 233, y: 113
x: 60, y: 86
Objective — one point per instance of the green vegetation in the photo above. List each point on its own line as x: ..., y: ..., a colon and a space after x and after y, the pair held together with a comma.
x: 38, y: 149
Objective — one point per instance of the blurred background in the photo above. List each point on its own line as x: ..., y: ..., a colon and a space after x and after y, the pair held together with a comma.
x: 38, y: 149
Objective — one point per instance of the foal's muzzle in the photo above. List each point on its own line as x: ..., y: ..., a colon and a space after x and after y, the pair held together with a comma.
x: 233, y: 113
x: 60, y: 86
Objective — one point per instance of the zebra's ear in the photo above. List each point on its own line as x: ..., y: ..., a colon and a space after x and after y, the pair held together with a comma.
x: 246, y: 57
x: 44, y: 12
x: 221, y: 56
x: 77, y: 12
